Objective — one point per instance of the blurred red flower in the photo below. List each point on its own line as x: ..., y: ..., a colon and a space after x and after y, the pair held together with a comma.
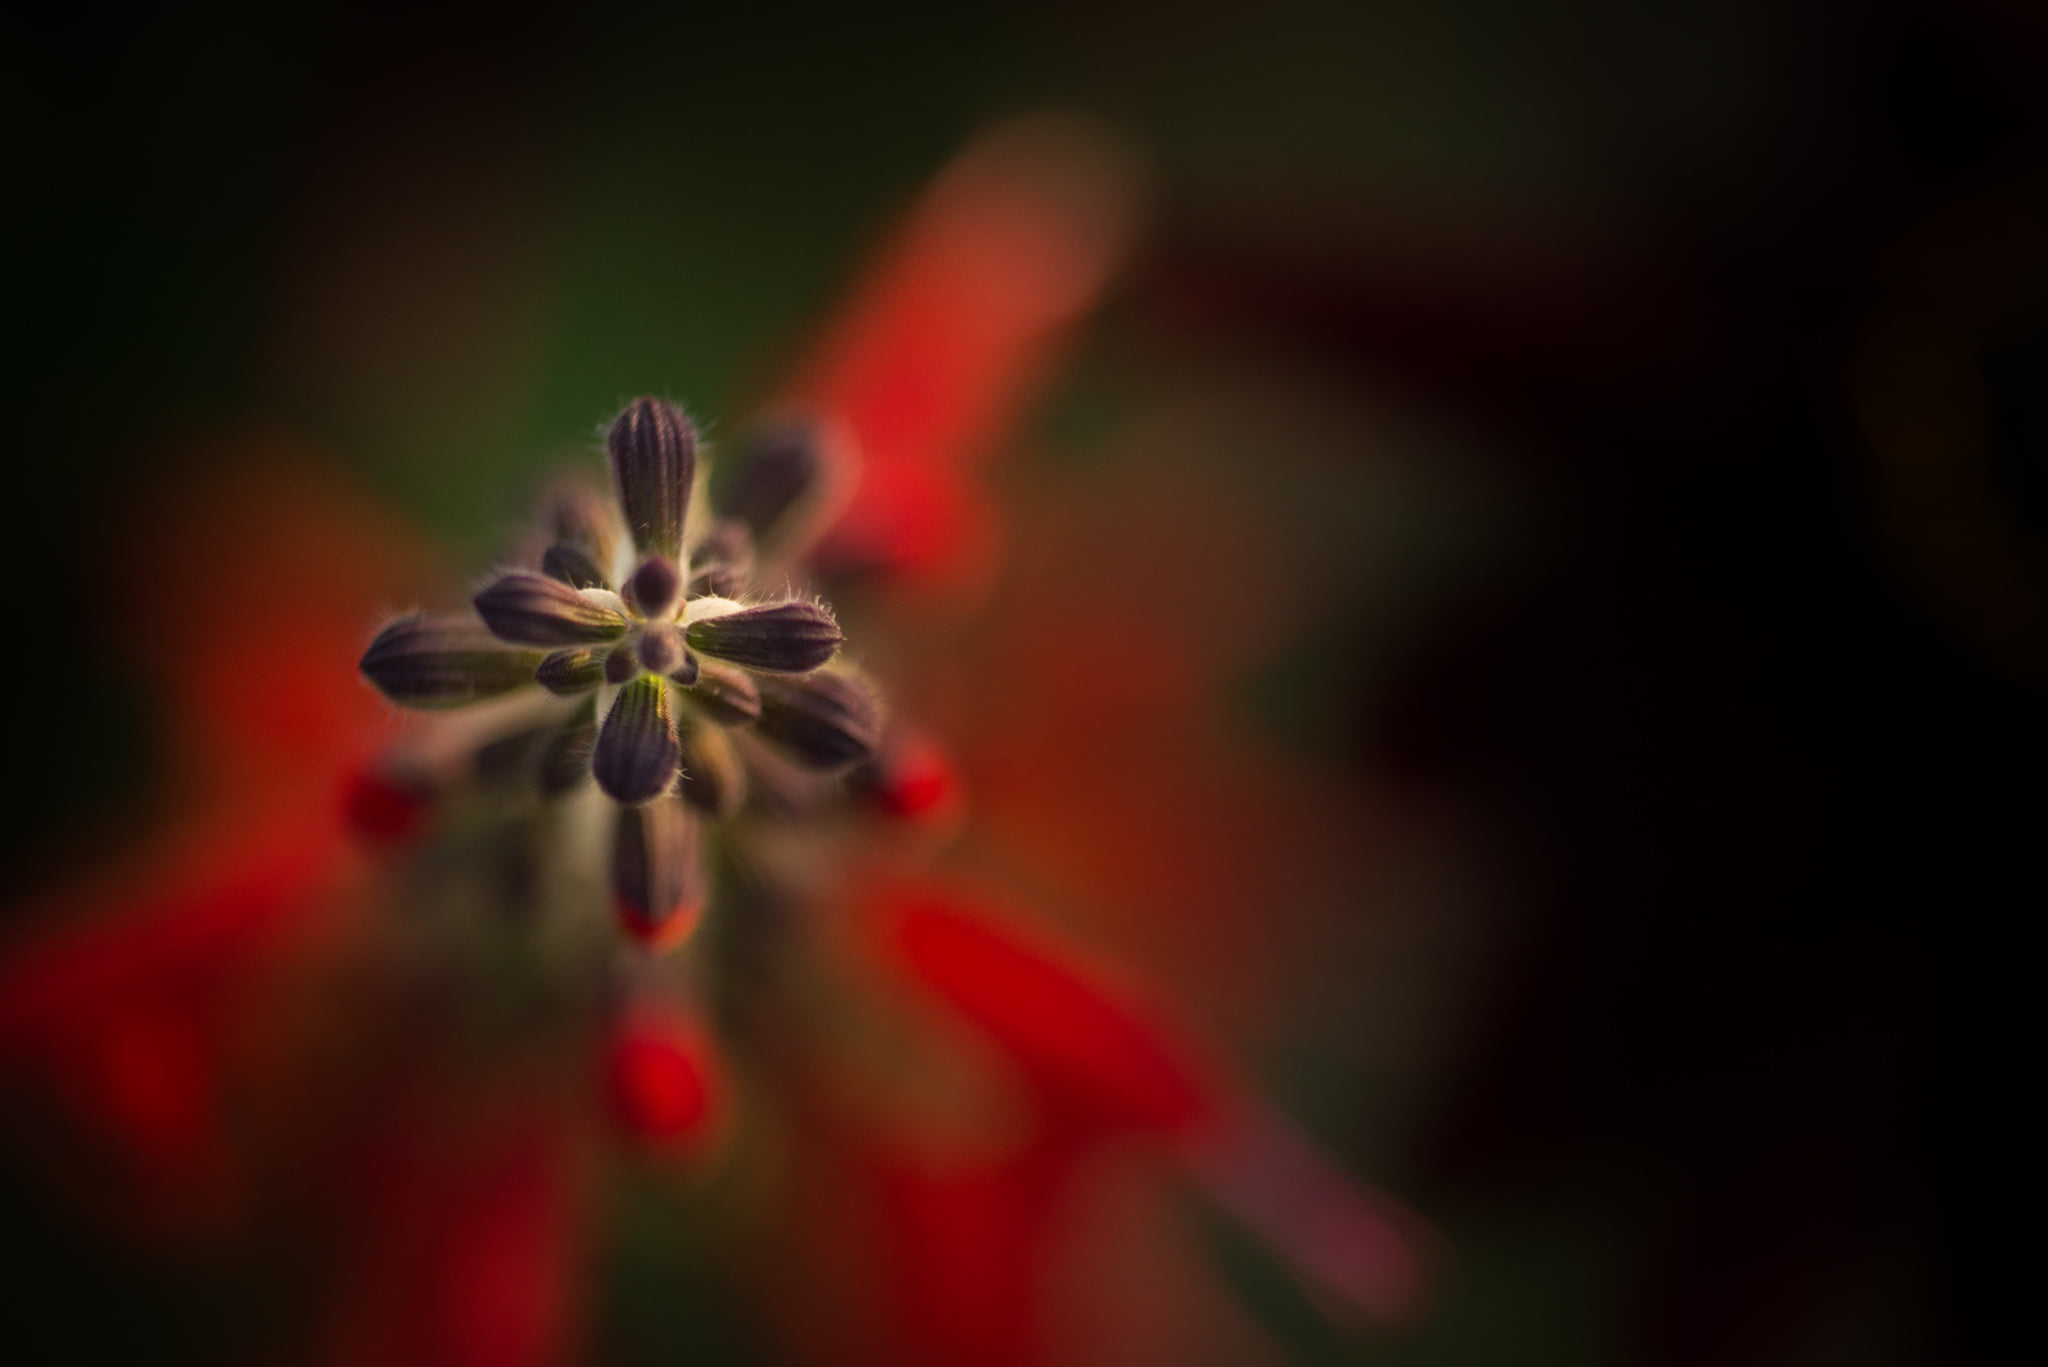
x: 219, y: 1034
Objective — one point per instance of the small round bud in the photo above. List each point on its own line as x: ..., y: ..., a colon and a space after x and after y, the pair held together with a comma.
x: 653, y: 588
x: 622, y: 664
x: 660, y: 648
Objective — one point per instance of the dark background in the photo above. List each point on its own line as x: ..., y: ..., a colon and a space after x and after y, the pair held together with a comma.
x: 1766, y: 727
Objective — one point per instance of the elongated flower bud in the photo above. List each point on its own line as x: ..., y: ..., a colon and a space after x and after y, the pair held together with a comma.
x: 529, y: 610
x: 725, y: 693
x: 653, y: 451
x: 586, y: 519
x: 571, y: 671
x: 821, y: 720
x: 565, y: 759
x: 773, y: 482
x: 658, y: 881
x: 714, y: 781
x: 572, y: 565
x: 787, y: 638
x: 637, y: 754
x: 432, y: 662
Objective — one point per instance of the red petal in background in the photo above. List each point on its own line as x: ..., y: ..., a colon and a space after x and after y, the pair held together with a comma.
x: 932, y: 361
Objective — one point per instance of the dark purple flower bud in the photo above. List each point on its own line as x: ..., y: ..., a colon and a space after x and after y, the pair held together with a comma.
x: 660, y: 648
x: 714, y: 780
x: 726, y: 694
x: 654, y: 458
x: 652, y: 589
x: 571, y: 671
x: 565, y: 759
x: 779, y: 787
x: 722, y: 561
x: 637, y: 754
x: 658, y: 882
x: 425, y: 662
x: 572, y: 565
x: 788, y: 638
x: 822, y: 720
x: 686, y: 672
x: 622, y: 664
x: 778, y: 473
x: 529, y: 610
x: 585, y: 518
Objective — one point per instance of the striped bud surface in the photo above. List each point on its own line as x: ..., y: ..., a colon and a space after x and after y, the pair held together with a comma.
x: 637, y: 754
x: 527, y: 609
x: 571, y: 671
x: 435, y: 661
x: 821, y: 720
x: 653, y: 450
x: 787, y: 638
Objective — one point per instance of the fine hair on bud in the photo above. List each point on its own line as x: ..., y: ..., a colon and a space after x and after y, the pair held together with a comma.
x: 574, y: 566
x: 637, y: 754
x: 714, y: 780
x: 528, y: 609
x: 785, y: 638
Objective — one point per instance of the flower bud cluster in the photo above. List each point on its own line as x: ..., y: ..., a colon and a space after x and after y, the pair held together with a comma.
x: 679, y: 679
